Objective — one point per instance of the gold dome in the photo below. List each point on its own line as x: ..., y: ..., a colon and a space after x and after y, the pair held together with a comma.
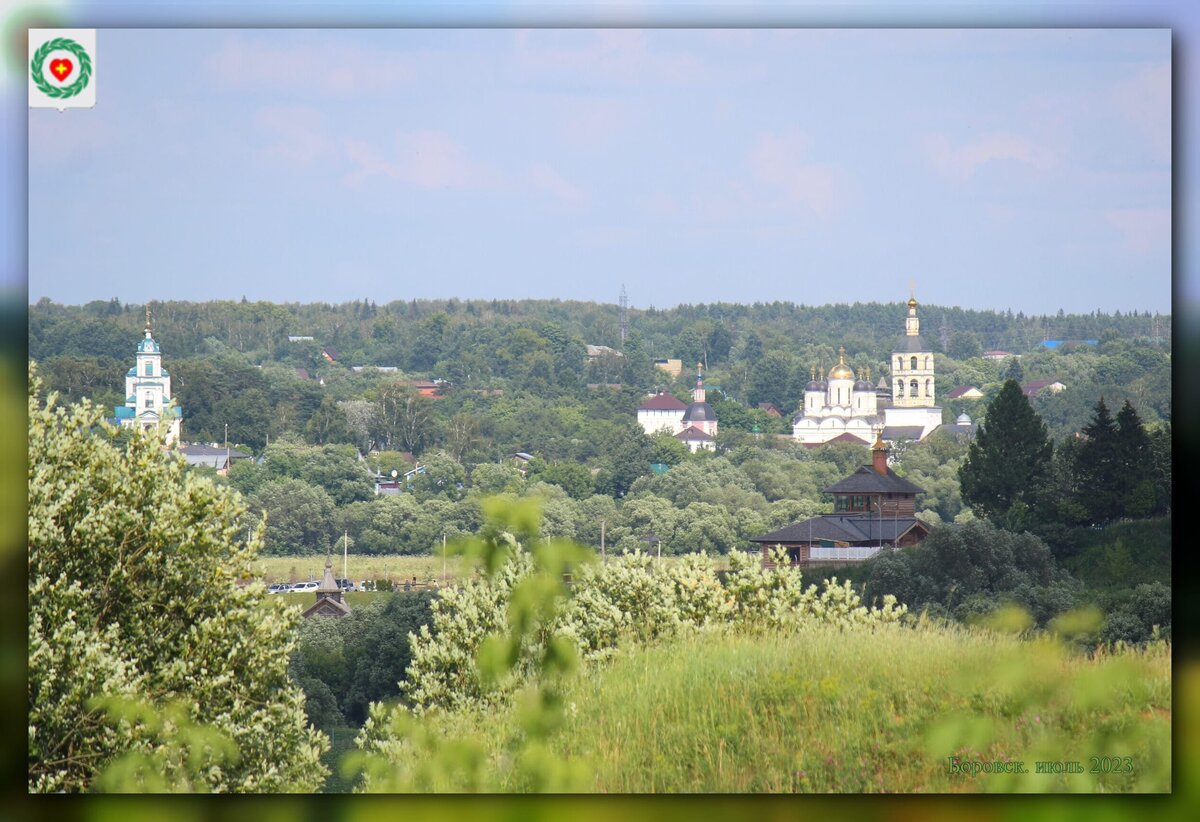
x: 841, y: 371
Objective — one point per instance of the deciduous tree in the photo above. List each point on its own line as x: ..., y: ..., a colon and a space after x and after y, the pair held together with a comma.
x: 133, y: 562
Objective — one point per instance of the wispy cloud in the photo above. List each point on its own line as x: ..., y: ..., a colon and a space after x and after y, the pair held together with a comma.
x: 961, y: 161
x: 297, y: 135
x: 1145, y: 99
x: 425, y: 159
x: 327, y: 68
x: 1142, y: 229
x: 614, y: 54
x: 778, y: 162
x: 547, y: 179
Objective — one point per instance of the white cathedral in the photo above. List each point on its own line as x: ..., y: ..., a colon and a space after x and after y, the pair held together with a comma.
x: 148, y: 392
x: 850, y: 409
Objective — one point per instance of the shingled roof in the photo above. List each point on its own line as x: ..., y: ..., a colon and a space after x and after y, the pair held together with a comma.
x: 853, y: 528
x: 866, y: 480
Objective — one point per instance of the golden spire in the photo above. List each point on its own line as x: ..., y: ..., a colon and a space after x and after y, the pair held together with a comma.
x: 147, y: 317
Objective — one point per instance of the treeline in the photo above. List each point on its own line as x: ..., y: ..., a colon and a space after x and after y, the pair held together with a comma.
x: 319, y: 497
x: 515, y: 374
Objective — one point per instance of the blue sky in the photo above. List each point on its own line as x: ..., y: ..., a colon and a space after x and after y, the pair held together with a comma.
x: 1022, y: 169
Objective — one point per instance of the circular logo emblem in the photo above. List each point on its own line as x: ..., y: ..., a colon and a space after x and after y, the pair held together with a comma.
x: 61, y: 77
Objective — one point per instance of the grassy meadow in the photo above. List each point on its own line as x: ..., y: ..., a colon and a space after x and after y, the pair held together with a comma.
x: 359, y: 567
x: 859, y: 711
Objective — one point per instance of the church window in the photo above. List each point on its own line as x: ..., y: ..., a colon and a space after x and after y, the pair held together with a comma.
x: 929, y: 388
x: 914, y: 389
x: 149, y: 401
x: 899, y: 363
x: 899, y: 388
x: 914, y: 363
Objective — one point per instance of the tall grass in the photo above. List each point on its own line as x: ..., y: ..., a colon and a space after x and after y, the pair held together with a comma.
x: 396, y: 567
x: 862, y: 711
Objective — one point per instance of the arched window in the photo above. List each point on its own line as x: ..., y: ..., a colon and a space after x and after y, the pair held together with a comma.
x: 899, y: 388
x: 929, y: 388
x: 914, y: 363
x: 914, y: 389
x: 899, y: 363
x: 149, y: 401
x: 149, y: 369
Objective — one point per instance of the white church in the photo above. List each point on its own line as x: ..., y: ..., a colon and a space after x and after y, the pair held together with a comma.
x: 847, y: 408
x: 694, y: 425
x: 148, y: 392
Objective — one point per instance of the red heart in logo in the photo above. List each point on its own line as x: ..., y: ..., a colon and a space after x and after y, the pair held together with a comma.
x: 61, y: 68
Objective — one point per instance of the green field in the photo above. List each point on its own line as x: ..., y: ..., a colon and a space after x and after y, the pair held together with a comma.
x: 855, y: 711
x: 394, y: 567
x: 359, y: 567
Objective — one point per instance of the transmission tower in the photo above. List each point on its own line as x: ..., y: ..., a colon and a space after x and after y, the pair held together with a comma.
x: 624, y: 315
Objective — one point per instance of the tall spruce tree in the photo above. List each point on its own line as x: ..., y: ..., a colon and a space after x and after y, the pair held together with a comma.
x: 1006, y: 467
x: 1014, y: 370
x: 1097, y: 469
x: 1135, y: 466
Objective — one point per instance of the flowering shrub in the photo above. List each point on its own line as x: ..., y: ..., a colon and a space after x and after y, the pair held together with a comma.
x: 632, y: 597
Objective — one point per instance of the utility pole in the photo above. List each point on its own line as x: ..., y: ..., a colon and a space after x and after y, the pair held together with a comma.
x: 345, y: 552
x: 227, y: 447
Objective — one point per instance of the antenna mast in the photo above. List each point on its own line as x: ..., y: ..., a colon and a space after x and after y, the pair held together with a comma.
x: 624, y: 315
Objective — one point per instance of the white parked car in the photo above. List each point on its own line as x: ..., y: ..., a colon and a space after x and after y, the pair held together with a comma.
x: 305, y: 587
x: 279, y: 588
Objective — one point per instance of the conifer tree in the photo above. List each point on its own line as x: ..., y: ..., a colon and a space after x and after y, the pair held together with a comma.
x: 1096, y: 467
x: 1135, y: 466
x: 1014, y: 370
x: 1006, y: 466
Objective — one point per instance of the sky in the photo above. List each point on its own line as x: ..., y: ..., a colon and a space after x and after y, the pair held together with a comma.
x: 1022, y: 169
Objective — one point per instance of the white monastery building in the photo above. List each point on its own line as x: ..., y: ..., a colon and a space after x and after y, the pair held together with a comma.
x: 148, y: 392
x: 844, y: 405
x: 694, y: 425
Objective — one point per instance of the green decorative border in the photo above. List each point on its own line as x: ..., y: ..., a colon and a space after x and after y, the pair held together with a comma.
x: 65, y: 44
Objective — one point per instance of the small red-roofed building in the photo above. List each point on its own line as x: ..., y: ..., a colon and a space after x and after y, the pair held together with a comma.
x: 965, y: 392
x: 663, y: 410
x: 1035, y: 387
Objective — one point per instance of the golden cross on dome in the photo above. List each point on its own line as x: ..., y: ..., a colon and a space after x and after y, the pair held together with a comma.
x: 147, y: 316
x: 912, y: 289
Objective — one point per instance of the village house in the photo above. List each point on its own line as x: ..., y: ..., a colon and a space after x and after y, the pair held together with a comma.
x: 965, y: 392
x: 1034, y: 387
x: 873, y: 510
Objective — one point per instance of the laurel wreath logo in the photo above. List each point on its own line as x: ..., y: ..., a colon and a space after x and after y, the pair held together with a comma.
x: 39, y: 58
